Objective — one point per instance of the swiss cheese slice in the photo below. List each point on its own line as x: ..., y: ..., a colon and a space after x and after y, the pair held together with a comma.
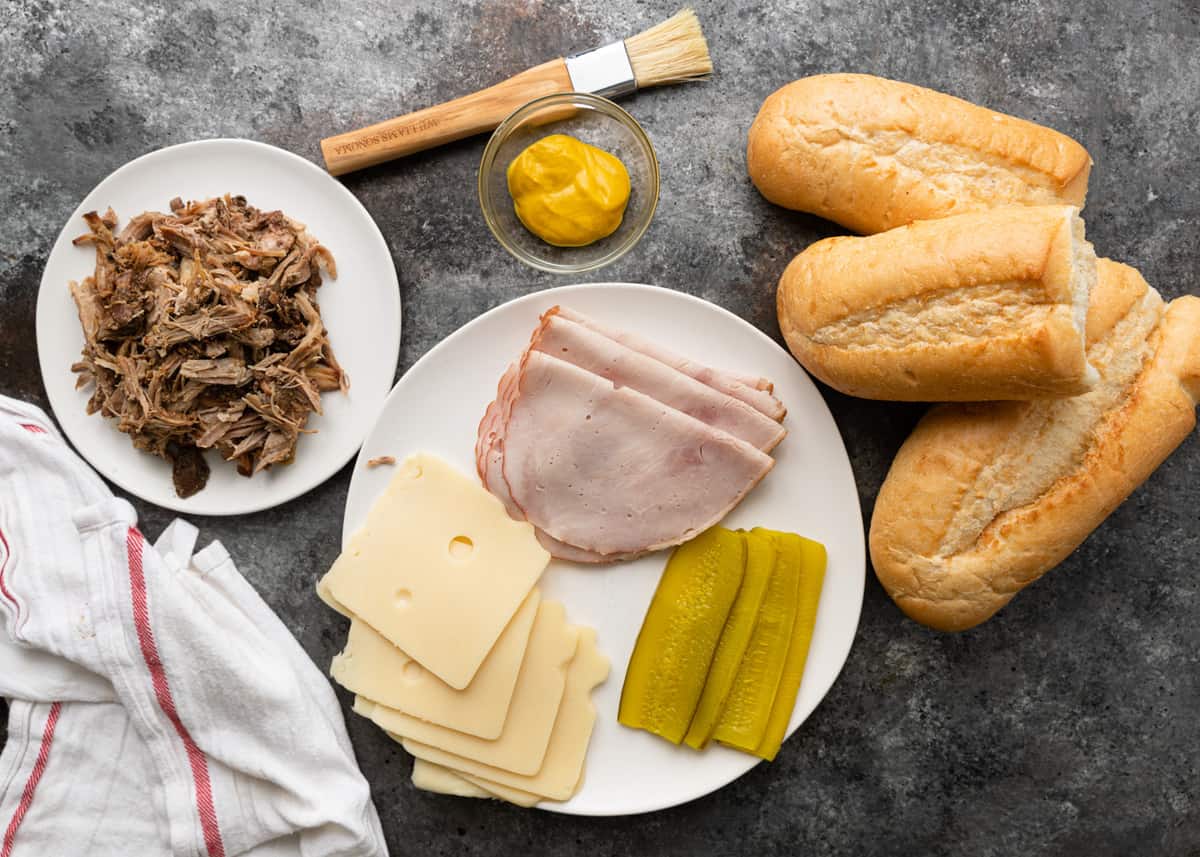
x: 522, y: 745
x: 435, y: 778
x: 560, y: 773
x: 372, y: 667
x: 496, y: 790
x: 439, y: 568
x: 325, y: 595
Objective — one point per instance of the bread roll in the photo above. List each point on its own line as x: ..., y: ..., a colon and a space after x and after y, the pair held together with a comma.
x: 873, y: 154
x: 981, y: 306
x: 983, y: 499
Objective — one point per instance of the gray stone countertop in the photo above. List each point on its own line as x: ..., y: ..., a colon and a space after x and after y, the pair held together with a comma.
x: 1066, y: 725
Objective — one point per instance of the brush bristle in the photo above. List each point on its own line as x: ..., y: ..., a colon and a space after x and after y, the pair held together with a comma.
x: 672, y: 51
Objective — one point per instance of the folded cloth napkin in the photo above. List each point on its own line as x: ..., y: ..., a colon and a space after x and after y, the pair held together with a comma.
x: 158, y: 705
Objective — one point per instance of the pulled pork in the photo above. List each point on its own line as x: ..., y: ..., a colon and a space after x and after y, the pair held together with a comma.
x: 202, y: 331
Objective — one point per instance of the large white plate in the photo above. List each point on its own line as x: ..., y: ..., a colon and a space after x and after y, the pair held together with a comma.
x: 436, y: 408
x: 361, y: 309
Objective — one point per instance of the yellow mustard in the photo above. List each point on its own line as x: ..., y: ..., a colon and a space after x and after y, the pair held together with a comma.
x: 568, y: 193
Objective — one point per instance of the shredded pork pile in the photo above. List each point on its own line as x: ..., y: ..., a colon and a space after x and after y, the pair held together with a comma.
x: 203, y: 332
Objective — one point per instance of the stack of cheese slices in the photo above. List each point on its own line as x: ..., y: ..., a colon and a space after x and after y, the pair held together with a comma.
x: 452, y: 649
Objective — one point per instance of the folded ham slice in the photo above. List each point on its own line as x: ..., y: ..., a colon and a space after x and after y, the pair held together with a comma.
x: 755, y: 392
x: 658, y: 447
x: 491, y: 427
x: 611, y: 470
x: 489, y: 461
x: 588, y: 349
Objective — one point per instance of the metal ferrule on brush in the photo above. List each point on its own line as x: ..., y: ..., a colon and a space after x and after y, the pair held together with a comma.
x: 604, y: 71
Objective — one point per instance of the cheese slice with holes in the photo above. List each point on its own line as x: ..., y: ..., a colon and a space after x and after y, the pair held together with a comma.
x: 435, y: 778
x: 439, y: 568
x: 561, y: 772
x: 372, y: 667
x: 531, y: 716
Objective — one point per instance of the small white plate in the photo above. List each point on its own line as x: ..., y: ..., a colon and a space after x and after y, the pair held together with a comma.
x: 361, y: 310
x: 436, y: 408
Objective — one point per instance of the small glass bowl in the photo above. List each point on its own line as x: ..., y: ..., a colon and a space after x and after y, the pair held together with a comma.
x: 593, y: 120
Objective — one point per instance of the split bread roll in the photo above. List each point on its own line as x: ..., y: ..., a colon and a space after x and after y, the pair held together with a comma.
x: 977, y: 307
x: 984, y: 499
x: 873, y: 154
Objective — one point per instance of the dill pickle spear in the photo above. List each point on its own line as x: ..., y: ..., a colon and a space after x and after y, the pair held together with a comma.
x: 760, y: 561
x: 812, y: 577
x: 680, y: 633
x: 743, y: 722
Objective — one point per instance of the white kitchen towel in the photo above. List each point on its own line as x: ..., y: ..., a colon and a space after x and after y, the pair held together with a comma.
x: 78, y: 780
x: 160, y: 706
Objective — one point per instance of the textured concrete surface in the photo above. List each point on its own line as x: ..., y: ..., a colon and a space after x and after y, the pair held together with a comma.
x: 1067, y: 725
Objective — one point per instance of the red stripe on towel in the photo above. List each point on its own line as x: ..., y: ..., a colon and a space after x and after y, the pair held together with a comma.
x: 33, y: 427
x: 162, y: 692
x: 3, y: 566
x: 35, y: 776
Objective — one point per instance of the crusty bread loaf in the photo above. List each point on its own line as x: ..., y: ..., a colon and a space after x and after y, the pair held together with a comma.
x: 873, y: 154
x: 981, y: 306
x: 983, y: 499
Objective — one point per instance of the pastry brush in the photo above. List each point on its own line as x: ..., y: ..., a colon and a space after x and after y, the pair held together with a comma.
x: 670, y: 52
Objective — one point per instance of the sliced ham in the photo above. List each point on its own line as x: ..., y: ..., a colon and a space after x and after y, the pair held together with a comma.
x: 755, y: 392
x: 489, y: 461
x: 492, y: 424
x: 588, y: 349
x: 553, y: 546
x: 645, y: 395
x: 611, y: 470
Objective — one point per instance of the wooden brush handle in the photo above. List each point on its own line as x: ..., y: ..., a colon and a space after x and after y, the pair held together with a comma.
x: 443, y: 123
